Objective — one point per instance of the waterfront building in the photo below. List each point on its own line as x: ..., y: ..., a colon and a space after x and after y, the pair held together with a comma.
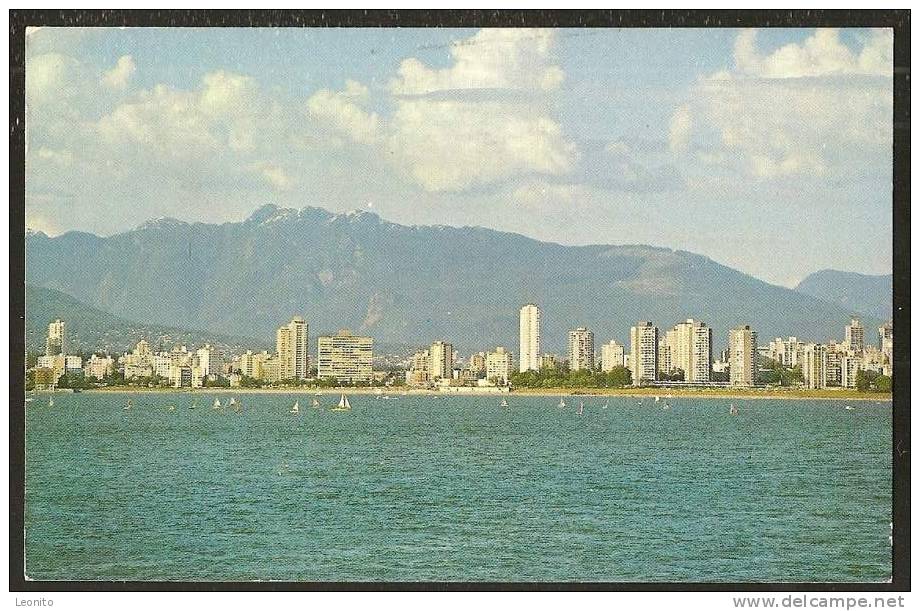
x: 210, y: 362
x: 785, y: 351
x: 742, y: 352
x: 855, y: 336
x: 162, y: 365
x: 499, y: 364
x: 549, y: 361
x: 581, y: 349
x: 530, y: 338
x: 418, y: 373
x: 643, y: 357
x: 251, y: 364
x: 612, y: 355
x: 54, y: 343
x: 886, y: 340
x: 73, y: 364
x: 98, y: 367
x: 689, y: 347
x: 832, y: 375
x: 181, y: 377
x: 849, y: 366
x: 477, y: 364
x: 814, y: 365
x: 440, y: 361
x: 56, y: 364
x: 271, y: 370
x: 292, y: 348
x: 664, y: 355
x: 345, y: 357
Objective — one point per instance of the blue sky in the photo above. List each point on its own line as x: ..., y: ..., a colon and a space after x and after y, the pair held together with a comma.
x: 768, y: 150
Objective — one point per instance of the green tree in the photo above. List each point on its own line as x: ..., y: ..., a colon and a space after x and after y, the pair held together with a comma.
x: 883, y: 384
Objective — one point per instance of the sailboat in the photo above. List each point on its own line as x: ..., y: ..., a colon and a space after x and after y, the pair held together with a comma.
x: 50, y: 401
x: 127, y: 405
x: 216, y: 403
x: 232, y: 401
x: 733, y: 410
x: 295, y: 409
x: 581, y: 408
x: 657, y: 398
x: 343, y: 405
x: 315, y: 404
x: 606, y: 404
x: 504, y: 403
x: 561, y: 402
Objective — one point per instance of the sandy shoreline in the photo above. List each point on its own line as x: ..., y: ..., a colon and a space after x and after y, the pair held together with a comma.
x: 794, y: 395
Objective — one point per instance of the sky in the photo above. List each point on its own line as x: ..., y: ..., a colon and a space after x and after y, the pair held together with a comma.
x: 766, y: 150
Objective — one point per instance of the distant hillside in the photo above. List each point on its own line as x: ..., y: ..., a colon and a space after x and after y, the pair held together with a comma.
x: 91, y: 329
x: 407, y: 285
x: 857, y: 293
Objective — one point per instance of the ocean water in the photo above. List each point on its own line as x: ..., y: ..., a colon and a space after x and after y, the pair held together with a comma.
x: 456, y: 488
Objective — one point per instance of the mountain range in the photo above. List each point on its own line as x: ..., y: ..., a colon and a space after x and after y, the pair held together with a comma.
x: 407, y: 284
x: 858, y: 293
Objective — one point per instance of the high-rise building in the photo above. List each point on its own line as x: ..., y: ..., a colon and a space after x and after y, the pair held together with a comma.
x: 855, y: 336
x: 690, y: 350
x: 643, y: 354
x: 742, y: 353
x: 54, y: 343
x: 440, y: 361
x: 210, y: 362
x: 814, y: 365
x: 849, y: 365
x: 477, y: 363
x: 549, y: 361
x: 418, y: 373
x: 292, y: 347
x: 99, y: 367
x: 345, y: 357
x: 251, y: 364
x: 499, y: 364
x: 785, y: 351
x: 612, y: 355
x: 530, y: 338
x: 581, y: 349
x: 886, y: 340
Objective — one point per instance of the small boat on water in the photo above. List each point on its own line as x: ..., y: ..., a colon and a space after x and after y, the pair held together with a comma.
x: 170, y: 408
x: 605, y: 405
x: 504, y: 403
x: 667, y: 405
x: 733, y: 410
x: 343, y: 405
x: 315, y: 404
x: 657, y: 398
x: 561, y: 402
x: 295, y: 409
x: 216, y: 404
x: 127, y: 405
x: 50, y: 401
x: 232, y: 401
x: 581, y: 408
x: 848, y: 407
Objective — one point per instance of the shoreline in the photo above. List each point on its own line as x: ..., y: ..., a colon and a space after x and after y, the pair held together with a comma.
x: 736, y: 394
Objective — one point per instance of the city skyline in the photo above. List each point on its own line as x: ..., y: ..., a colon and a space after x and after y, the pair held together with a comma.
x: 622, y: 141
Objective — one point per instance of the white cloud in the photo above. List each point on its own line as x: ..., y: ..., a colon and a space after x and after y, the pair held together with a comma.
x: 226, y: 111
x: 51, y: 76
x: 274, y: 175
x: 821, y: 54
x: 445, y: 140
x: 807, y: 109
x: 681, y: 125
x: 494, y: 58
x: 343, y: 110
x: 120, y: 74
x: 453, y: 145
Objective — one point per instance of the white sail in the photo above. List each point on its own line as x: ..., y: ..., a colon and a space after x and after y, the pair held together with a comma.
x: 561, y: 402
x: 216, y: 403
x: 315, y: 403
x: 296, y: 407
